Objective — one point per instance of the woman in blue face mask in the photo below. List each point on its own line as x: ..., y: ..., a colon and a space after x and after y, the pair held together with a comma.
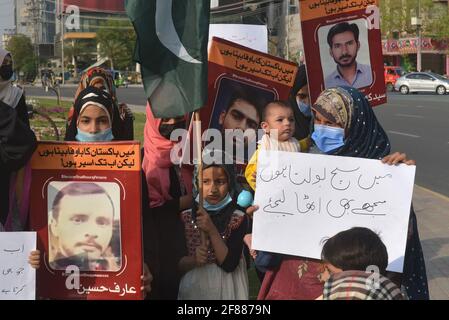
x: 300, y: 101
x: 345, y: 125
x: 95, y: 118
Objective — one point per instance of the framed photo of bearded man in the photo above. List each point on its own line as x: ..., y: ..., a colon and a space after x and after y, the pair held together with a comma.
x: 345, y: 54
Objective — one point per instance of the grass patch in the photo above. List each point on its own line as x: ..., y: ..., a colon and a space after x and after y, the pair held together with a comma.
x: 139, y: 123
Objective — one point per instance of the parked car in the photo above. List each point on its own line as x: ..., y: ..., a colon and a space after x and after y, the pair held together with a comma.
x: 422, y: 82
x: 392, y: 74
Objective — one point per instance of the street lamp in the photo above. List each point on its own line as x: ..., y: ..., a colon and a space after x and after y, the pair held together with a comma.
x: 416, y: 21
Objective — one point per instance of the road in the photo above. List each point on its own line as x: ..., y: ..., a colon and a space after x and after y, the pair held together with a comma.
x: 134, y: 96
x: 417, y: 124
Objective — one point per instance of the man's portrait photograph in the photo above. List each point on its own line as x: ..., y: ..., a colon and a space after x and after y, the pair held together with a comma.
x: 344, y: 52
x: 84, y: 225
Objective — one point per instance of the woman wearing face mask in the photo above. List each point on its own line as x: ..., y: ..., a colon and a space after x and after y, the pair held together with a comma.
x: 18, y: 145
x: 345, y: 125
x: 300, y: 100
x: 170, y: 192
x: 96, y: 118
x: 102, y: 79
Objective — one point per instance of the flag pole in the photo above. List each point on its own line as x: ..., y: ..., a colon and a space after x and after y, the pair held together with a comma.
x: 200, y: 166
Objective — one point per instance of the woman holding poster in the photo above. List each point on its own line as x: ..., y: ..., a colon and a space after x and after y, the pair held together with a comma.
x: 96, y: 118
x: 345, y: 125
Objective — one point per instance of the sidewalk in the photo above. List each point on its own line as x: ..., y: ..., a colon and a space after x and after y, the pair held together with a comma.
x: 432, y: 211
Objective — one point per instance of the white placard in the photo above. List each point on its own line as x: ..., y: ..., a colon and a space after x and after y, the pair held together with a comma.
x: 251, y: 36
x: 306, y: 198
x: 17, y: 277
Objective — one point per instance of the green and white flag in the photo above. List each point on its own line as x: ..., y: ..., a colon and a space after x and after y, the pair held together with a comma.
x: 171, y: 47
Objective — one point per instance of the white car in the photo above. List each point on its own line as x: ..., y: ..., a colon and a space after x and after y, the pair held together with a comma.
x: 422, y: 82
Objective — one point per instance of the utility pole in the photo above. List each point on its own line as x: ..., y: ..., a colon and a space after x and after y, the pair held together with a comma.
x: 287, y: 29
x: 416, y: 21
x: 61, y: 18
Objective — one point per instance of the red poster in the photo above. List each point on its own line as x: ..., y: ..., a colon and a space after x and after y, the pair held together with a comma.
x: 233, y: 67
x: 86, y: 209
x: 111, y: 6
x: 342, y: 45
x: 241, y: 81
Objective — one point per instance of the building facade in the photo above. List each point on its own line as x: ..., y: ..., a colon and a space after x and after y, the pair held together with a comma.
x: 400, y: 43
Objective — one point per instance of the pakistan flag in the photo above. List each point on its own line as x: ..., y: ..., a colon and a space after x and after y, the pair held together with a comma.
x: 171, y: 47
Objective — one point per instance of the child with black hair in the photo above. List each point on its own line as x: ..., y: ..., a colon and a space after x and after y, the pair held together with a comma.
x: 215, y: 270
x: 356, y: 262
x: 285, y: 276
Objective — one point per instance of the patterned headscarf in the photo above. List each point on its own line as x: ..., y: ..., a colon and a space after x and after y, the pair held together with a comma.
x: 97, y: 75
x: 360, y: 285
x: 348, y: 107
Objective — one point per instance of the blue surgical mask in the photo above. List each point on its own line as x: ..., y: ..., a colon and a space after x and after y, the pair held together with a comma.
x: 328, y: 138
x: 105, y: 135
x: 304, y: 108
x: 213, y: 208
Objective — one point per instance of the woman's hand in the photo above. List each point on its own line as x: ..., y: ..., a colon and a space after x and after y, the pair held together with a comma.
x: 34, y: 259
x: 247, y: 239
x: 250, y: 210
x: 397, y: 158
x: 146, y: 278
x: 254, y: 177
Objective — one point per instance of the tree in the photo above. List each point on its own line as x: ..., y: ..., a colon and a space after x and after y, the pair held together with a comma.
x: 76, y: 50
x: 23, y: 54
x: 396, y: 16
x: 117, y: 39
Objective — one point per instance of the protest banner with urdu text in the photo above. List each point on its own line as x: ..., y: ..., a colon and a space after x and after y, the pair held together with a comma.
x: 342, y: 46
x: 91, y: 246
x: 304, y: 199
x: 17, y: 277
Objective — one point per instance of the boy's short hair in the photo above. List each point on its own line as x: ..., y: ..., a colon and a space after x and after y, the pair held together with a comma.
x: 277, y: 103
x: 356, y: 249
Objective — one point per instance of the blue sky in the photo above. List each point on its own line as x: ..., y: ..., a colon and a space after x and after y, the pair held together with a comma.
x: 6, y: 16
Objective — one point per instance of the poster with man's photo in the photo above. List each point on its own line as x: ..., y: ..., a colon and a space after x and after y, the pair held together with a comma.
x: 241, y: 81
x: 91, y: 246
x: 342, y: 46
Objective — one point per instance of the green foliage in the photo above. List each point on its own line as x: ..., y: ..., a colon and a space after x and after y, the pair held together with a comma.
x: 117, y: 40
x: 406, y: 64
x: 396, y: 16
x: 23, y: 54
